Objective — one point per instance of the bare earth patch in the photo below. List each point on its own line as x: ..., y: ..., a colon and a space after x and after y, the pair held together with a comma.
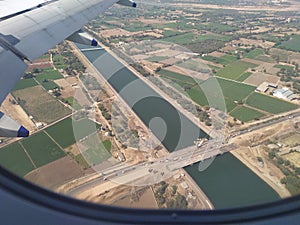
x: 258, y: 78
x: 40, y: 63
x: 115, y: 32
x: 55, y: 173
x: 217, y: 54
x: 187, y: 72
x: 145, y: 200
x: 67, y: 89
x: 17, y: 113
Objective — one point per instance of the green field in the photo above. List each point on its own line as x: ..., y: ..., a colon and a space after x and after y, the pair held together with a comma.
x: 265, y: 58
x: 156, y: 58
x: 49, y: 85
x: 63, y: 132
x: 254, y: 53
x: 195, y: 66
x: 216, y: 68
x: 59, y: 62
x: 180, y: 25
x: 177, y: 77
x: 48, y: 75
x: 187, y: 38
x: 292, y: 44
x: 81, y: 161
x: 95, y: 155
x: 244, y: 76
x: 168, y: 33
x: 14, y: 159
x: 25, y: 83
x: 220, y: 91
x: 46, y: 79
x: 235, y: 69
x: 228, y: 58
x: 268, y: 37
x: 217, y: 90
x: 286, y: 67
x: 217, y: 27
x: 42, y: 149
x: 136, y: 26
x: 269, y: 104
x: 245, y: 114
x: 72, y: 102
x: 223, y: 60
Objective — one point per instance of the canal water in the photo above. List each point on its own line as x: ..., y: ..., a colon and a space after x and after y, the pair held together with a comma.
x: 227, y: 182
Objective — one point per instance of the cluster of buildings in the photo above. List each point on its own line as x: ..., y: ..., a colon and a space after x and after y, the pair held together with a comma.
x: 282, y: 93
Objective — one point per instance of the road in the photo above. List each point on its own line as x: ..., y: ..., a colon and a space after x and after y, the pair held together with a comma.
x: 153, y: 171
x: 267, y: 123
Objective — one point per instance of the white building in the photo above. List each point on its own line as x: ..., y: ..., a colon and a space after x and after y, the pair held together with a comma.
x: 284, y: 93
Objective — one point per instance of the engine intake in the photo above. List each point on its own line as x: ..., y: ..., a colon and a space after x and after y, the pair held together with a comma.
x: 84, y: 38
x: 129, y: 3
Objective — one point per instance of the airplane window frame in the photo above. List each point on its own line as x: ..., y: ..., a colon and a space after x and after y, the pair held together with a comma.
x: 44, y: 198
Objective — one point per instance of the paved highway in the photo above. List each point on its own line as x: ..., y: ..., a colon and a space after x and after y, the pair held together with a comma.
x: 267, y: 123
x: 154, y: 171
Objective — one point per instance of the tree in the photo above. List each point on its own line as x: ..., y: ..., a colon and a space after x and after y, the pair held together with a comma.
x: 174, y: 190
x: 287, y: 163
x: 272, y: 154
x: 280, y: 160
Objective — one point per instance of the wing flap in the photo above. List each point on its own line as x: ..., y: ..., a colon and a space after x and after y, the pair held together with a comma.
x: 11, y: 7
x: 12, y: 68
x: 41, y: 29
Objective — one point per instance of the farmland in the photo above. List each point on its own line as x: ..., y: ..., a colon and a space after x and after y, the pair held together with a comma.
x: 42, y: 149
x: 187, y: 38
x: 245, y: 114
x: 73, y: 103
x: 179, y: 78
x: 46, y: 79
x: 234, y: 70
x: 292, y: 44
x: 25, y: 83
x: 59, y: 62
x: 231, y: 91
x: 269, y: 104
x: 244, y: 76
x: 39, y: 104
x: 14, y: 158
x: 195, y: 66
x: 156, y: 58
x: 223, y: 60
x: 97, y: 154
x: 285, y: 67
x: 228, y: 91
x: 254, y: 53
x: 75, y: 129
x: 48, y: 75
x: 46, y: 146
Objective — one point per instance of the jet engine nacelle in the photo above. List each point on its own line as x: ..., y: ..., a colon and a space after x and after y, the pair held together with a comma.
x: 10, y: 128
x: 84, y: 38
x: 129, y: 3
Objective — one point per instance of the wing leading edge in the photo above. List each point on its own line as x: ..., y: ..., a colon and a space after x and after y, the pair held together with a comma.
x: 28, y: 35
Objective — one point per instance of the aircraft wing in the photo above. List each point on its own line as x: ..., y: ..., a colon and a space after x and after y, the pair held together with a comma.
x: 27, y: 33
